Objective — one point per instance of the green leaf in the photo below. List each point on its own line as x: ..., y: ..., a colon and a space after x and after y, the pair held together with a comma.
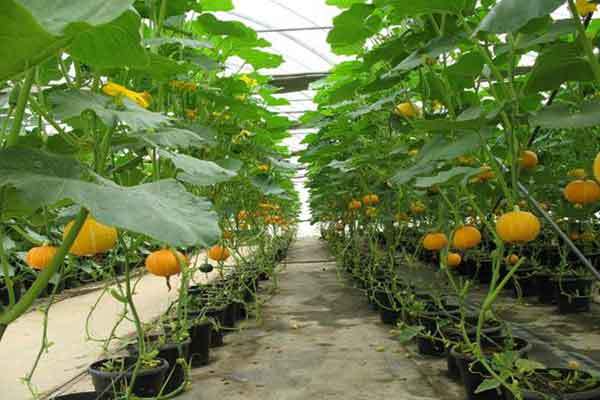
x: 184, y: 42
x: 115, y: 44
x: 558, y: 64
x: 163, y: 68
x: 408, y: 333
x: 217, y: 5
x: 208, y: 23
x: 198, y: 172
x: 163, y: 210
x: 352, y: 28
x: 260, y: 59
x: 433, y: 49
x: 72, y: 103
x: 414, y: 8
x: 343, y: 3
x: 511, y: 15
x: 445, y: 176
x: 524, y: 365
x: 556, y: 30
x: 487, y: 384
x: 560, y: 116
x: 174, y: 138
x: 463, y: 73
x: 267, y: 185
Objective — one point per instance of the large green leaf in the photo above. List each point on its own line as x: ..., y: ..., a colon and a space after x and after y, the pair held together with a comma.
x: 559, y: 116
x: 511, y: 15
x: 163, y: 210
x: 414, y: 8
x: 198, y: 172
x: 72, y: 103
x: 432, y: 50
x: 352, y: 28
x: 174, y: 138
x: 32, y: 32
x: 439, y: 148
x: 260, y: 59
x: 558, y: 64
x: 445, y: 176
x: 208, y: 23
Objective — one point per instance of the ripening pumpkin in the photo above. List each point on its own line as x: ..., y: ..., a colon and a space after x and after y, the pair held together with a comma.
x: 371, y: 212
x: 164, y: 263
x: 579, y: 173
x: 528, y: 160
x: 93, y: 238
x: 354, y: 204
x: 597, y: 167
x: 582, y: 192
x: 584, y: 7
x: 40, y: 257
x: 453, y: 260
x: 417, y: 207
x: 263, y: 168
x: 466, y: 237
x: 371, y: 200
x: 218, y: 253
x: 407, y: 110
x: 435, y: 241
x: 513, y: 259
x: 518, y: 227
x: 242, y: 215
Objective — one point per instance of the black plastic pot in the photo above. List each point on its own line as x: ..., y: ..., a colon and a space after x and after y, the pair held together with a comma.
x: 200, y: 335
x: 589, y: 394
x: 546, y: 288
x: 492, y: 333
x: 468, y: 268
x: 216, y: 332
x: 573, y: 294
x: 148, y: 382
x: 524, y: 283
x: 77, y: 396
x: 175, y: 376
x: 230, y: 316
x: 485, y: 271
x: 474, y: 373
x: 433, y: 344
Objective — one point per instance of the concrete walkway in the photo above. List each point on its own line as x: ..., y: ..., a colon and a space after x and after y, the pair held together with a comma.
x: 71, y: 353
x: 317, y: 340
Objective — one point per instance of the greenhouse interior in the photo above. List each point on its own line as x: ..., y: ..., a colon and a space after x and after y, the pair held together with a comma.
x: 291, y: 200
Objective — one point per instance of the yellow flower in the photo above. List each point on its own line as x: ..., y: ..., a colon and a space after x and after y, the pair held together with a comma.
x: 143, y: 99
x: 584, y: 7
x: 249, y: 81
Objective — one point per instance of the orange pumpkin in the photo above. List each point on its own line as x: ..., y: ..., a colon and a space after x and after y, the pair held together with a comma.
x: 164, y: 263
x: 40, y: 257
x: 435, y: 241
x: 582, y: 192
x: 218, y: 253
x: 371, y: 200
x: 453, y: 260
x: 518, y: 227
x: 93, y: 238
x: 417, y: 207
x: 354, y: 204
x: 513, y: 259
x: 528, y: 160
x: 466, y: 237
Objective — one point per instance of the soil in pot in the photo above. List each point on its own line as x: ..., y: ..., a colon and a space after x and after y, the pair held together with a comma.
x: 112, y: 376
x: 573, y: 294
x: 171, y: 352
x: 389, y: 308
x: 558, y: 384
x: 473, y: 373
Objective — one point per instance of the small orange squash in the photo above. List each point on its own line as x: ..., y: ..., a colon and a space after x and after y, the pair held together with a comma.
x: 371, y: 200
x: 40, y: 257
x: 518, y: 227
x: 93, y: 238
x: 435, y: 241
x: 354, y: 204
x: 582, y: 192
x: 513, y: 259
x: 466, y: 237
x: 164, y: 263
x: 218, y: 253
x: 407, y: 110
x: 528, y: 160
x: 453, y: 260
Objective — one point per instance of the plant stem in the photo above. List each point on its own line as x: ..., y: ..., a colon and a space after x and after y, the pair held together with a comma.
x: 13, y: 136
x: 6, y: 273
x: 20, y: 308
x: 585, y: 42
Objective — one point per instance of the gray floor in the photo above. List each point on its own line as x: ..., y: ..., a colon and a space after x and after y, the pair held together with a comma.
x: 317, y: 340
